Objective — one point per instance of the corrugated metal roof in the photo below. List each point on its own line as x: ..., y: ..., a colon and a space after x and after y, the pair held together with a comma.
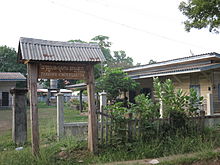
x: 44, y: 50
x: 174, y: 71
x: 175, y: 61
x: 77, y: 86
x: 11, y: 76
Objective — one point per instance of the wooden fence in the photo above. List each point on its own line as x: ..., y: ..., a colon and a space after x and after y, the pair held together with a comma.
x: 131, y: 129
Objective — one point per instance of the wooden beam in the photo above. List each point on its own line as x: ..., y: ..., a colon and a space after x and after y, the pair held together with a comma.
x: 92, y: 120
x: 32, y: 86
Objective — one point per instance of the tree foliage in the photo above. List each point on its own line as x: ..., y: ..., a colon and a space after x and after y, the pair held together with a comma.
x: 201, y: 14
x: 8, y: 61
x: 120, y: 60
x: 105, y: 45
x: 115, y: 81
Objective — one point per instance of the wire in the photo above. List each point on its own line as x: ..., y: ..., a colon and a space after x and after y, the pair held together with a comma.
x: 125, y: 25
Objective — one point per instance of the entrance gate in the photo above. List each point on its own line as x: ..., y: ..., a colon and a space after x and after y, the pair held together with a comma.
x: 60, y: 60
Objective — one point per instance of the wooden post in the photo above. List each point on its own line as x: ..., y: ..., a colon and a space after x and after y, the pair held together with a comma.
x: 92, y: 123
x: 32, y: 85
x: 60, y: 115
x: 19, y: 119
x: 129, y: 127
x: 81, y: 101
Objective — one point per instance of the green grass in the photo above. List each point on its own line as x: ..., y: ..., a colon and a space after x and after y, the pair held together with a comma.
x: 73, y: 151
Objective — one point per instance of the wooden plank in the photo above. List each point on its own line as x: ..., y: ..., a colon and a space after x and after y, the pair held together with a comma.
x: 32, y: 86
x: 106, y: 129
x: 92, y: 123
x: 62, y: 71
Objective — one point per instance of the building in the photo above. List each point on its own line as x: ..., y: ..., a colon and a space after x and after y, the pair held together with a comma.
x: 201, y: 72
x: 7, y: 81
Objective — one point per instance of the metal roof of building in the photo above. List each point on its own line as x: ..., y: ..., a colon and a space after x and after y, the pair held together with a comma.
x: 11, y: 76
x: 175, y: 70
x: 43, y: 50
x: 175, y: 61
x: 77, y: 86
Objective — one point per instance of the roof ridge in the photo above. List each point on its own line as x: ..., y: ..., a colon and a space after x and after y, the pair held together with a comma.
x: 52, y: 42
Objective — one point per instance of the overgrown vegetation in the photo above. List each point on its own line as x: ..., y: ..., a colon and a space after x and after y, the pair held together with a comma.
x: 114, y: 82
x: 178, y: 108
x: 151, y: 144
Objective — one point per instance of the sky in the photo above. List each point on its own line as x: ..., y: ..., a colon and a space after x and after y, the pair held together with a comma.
x: 144, y: 29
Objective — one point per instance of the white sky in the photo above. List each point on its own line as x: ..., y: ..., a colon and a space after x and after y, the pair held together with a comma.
x: 145, y: 29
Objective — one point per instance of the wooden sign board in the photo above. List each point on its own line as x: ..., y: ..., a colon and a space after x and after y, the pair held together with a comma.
x: 62, y: 71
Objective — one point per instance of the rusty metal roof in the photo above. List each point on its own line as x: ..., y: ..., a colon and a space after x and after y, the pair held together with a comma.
x: 11, y: 76
x: 180, y: 69
x: 43, y: 50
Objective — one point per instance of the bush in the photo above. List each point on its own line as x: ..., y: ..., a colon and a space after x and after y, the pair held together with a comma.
x: 75, y: 104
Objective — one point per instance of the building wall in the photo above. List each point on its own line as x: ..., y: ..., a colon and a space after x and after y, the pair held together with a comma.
x: 183, y: 81
x: 216, y: 91
x: 5, y: 86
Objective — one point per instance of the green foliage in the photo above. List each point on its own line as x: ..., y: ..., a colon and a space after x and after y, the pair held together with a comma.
x: 115, y: 81
x: 71, y: 151
x: 176, y: 101
x: 194, y: 102
x: 145, y: 107
x: 152, y: 62
x: 120, y: 60
x: 8, y: 61
x: 75, y: 104
x: 104, y: 45
x: 201, y: 14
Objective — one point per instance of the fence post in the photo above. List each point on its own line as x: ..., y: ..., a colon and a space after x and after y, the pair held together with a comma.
x: 161, y: 108
x: 60, y: 115
x: 129, y: 127
x: 209, y: 104
x: 103, y: 103
x: 19, y: 119
x: 202, y: 117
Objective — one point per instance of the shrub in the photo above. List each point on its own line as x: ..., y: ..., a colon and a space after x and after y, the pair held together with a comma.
x: 75, y: 104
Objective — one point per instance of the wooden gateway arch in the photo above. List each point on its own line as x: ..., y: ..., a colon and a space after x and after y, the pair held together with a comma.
x: 60, y: 60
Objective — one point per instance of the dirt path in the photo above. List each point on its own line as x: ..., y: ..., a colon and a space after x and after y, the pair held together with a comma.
x: 174, y: 157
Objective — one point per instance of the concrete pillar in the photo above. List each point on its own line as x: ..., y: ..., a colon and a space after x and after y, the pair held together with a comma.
x: 103, y: 100
x: 210, y: 104
x: 60, y: 115
x: 103, y: 103
x: 19, y: 118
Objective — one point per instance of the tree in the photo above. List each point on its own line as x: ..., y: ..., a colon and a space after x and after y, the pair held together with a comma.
x: 104, y: 45
x: 115, y: 81
x: 8, y: 61
x: 201, y: 14
x: 152, y: 62
x: 121, y: 60
x: 77, y: 41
